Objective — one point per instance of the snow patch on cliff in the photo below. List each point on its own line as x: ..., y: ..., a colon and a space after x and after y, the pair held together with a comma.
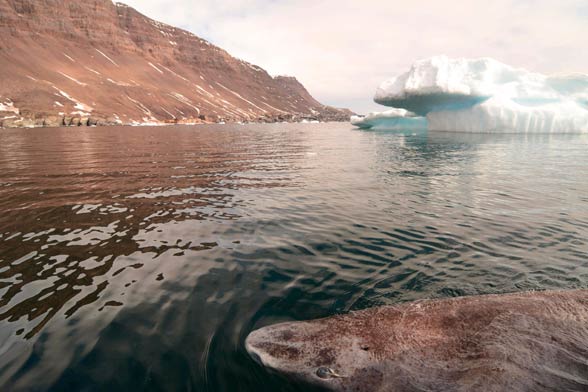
x: 155, y: 68
x: 82, y: 108
x: 8, y: 106
x: 106, y: 57
x: 72, y: 79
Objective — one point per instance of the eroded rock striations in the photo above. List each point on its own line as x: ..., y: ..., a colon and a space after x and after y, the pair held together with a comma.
x: 77, y: 62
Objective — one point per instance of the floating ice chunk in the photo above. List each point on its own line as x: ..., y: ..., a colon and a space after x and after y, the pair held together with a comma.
x: 501, y: 115
x: 441, y: 83
x: 574, y: 86
x: 394, y: 119
x: 484, y: 95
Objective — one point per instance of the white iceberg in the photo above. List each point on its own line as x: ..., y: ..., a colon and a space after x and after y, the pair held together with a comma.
x: 484, y: 95
x: 500, y: 115
x: 393, y: 119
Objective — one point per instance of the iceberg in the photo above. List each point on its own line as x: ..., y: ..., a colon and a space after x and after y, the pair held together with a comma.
x: 485, y: 95
x: 394, y: 119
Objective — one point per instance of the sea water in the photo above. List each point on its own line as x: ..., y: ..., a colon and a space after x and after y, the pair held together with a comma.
x: 140, y: 258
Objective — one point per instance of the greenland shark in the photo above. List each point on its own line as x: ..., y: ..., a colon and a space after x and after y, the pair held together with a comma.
x: 535, y: 341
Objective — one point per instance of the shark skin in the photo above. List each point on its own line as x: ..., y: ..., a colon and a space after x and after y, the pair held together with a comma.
x: 534, y: 341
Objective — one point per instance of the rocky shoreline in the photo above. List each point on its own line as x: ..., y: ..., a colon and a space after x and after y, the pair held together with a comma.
x: 17, y: 120
x: 99, y: 63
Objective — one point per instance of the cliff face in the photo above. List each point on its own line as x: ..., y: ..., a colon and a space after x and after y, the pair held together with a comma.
x: 70, y: 62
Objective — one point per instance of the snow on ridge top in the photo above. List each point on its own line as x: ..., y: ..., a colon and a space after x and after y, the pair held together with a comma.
x: 479, y: 78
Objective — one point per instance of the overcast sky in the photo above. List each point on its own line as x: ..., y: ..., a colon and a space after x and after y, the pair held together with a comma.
x: 341, y: 50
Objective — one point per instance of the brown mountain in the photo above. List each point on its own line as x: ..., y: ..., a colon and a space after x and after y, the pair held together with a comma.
x: 71, y: 62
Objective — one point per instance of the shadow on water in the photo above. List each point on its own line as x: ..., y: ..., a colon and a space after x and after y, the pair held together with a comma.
x: 140, y: 259
x: 197, y: 344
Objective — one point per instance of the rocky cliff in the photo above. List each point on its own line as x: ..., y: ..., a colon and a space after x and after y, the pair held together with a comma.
x: 88, y: 62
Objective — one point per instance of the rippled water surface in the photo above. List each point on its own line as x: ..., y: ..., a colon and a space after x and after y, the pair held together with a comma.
x: 140, y: 258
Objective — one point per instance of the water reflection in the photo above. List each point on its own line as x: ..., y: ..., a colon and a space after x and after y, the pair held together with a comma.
x: 141, y: 258
x: 75, y: 205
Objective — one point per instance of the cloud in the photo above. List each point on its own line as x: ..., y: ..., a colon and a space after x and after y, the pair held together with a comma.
x: 342, y: 49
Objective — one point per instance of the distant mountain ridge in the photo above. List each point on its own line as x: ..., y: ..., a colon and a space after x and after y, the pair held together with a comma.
x: 74, y: 62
